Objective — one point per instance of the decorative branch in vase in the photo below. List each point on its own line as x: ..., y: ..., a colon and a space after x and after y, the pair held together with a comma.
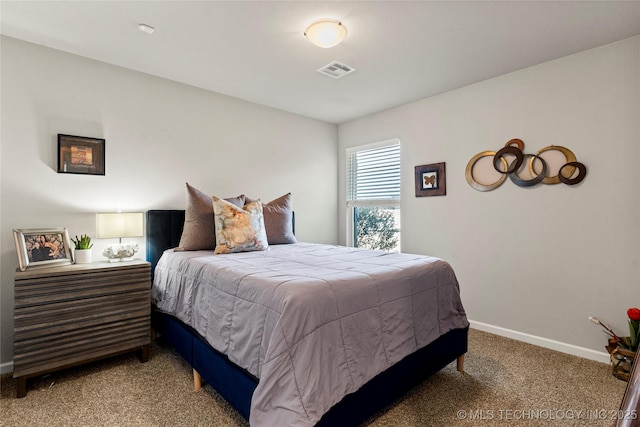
x: 622, y: 350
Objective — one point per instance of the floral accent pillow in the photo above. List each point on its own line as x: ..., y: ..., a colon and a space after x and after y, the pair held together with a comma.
x: 239, y: 229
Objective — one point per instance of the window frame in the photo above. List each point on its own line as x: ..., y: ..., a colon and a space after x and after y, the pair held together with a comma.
x: 380, y: 203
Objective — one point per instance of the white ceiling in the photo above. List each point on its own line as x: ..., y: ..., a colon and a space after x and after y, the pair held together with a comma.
x: 255, y: 50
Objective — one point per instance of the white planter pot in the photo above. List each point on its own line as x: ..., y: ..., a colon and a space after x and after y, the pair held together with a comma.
x: 83, y: 256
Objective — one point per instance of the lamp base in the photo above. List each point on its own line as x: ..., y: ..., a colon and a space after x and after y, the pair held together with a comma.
x: 120, y: 252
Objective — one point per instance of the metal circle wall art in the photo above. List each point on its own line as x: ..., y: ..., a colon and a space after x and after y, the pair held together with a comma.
x: 513, y: 166
x: 571, y: 166
x: 537, y: 167
x: 469, y: 172
x: 568, y: 155
x: 537, y: 178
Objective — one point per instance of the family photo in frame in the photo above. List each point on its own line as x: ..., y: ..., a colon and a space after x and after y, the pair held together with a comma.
x: 41, y: 247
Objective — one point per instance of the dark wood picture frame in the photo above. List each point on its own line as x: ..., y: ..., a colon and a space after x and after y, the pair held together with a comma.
x: 431, y: 180
x: 80, y: 155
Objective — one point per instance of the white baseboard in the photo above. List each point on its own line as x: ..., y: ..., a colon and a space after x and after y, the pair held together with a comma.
x: 598, y: 356
x: 5, y: 368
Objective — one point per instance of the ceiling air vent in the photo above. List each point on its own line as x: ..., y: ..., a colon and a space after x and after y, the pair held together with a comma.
x: 336, y: 70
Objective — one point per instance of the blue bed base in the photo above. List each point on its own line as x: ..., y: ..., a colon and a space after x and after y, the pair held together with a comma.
x: 236, y: 385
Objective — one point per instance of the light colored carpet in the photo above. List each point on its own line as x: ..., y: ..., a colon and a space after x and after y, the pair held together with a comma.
x: 506, y: 383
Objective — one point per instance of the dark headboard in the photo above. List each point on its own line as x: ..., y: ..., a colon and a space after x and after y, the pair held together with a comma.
x: 164, y: 228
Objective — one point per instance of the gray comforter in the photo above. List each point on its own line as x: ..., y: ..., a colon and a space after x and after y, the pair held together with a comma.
x: 312, y: 322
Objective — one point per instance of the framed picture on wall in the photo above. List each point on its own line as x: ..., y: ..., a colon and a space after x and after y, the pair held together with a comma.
x: 431, y: 180
x: 42, y: 247
x: 80, y: 155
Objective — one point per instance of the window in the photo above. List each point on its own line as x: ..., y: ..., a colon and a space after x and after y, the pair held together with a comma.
x: 373, y: 196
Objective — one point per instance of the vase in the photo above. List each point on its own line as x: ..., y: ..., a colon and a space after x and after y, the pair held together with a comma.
x: 82, y: 256
x: 621, y: 360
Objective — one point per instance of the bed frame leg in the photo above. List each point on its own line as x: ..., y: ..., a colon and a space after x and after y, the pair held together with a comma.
x: 197, y: 380
x: 459, y: 363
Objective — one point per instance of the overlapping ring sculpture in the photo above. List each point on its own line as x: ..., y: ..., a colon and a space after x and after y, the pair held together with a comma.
x: 514, y: 148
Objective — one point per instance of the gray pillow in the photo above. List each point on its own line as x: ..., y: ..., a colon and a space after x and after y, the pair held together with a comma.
x: 278, y: 220
x: 199, y: 232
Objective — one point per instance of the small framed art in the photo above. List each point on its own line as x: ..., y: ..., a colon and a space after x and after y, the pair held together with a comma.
x: 42, y: 247
x: 431, y: 180
x: 80, y: 155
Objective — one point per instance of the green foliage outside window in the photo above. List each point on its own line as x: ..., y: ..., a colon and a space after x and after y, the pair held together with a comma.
x: 377, y: 228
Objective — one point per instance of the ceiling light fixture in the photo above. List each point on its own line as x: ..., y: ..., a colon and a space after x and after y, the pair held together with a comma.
x: 326, y: 33
x: 146, y: 28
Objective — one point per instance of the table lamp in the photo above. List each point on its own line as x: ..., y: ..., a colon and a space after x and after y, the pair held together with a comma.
x: 121, y: 224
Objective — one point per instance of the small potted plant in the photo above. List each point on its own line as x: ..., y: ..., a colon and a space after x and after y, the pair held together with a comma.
x: 82, y: 252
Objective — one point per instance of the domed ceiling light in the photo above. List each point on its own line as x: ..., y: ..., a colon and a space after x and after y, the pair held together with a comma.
x: 146, y: 28
x: 326, y: 33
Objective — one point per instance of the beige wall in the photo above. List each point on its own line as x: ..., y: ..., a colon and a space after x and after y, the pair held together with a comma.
x: 533, y: 263
x: 159, y: 134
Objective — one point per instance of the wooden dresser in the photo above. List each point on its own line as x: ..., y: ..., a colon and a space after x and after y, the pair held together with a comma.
x: 73, y: 314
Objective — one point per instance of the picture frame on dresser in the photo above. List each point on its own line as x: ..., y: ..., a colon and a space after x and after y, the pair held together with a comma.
x: 42, y: 247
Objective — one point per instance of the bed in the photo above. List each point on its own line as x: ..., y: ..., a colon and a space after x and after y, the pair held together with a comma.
x: 313, y: 368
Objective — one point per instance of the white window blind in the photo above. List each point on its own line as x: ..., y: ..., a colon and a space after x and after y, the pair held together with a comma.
x: 374, y: 173
x: 373, y: 195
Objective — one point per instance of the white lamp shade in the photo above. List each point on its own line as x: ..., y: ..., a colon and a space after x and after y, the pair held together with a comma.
x: 326, y: 33
x: 111, y: 225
